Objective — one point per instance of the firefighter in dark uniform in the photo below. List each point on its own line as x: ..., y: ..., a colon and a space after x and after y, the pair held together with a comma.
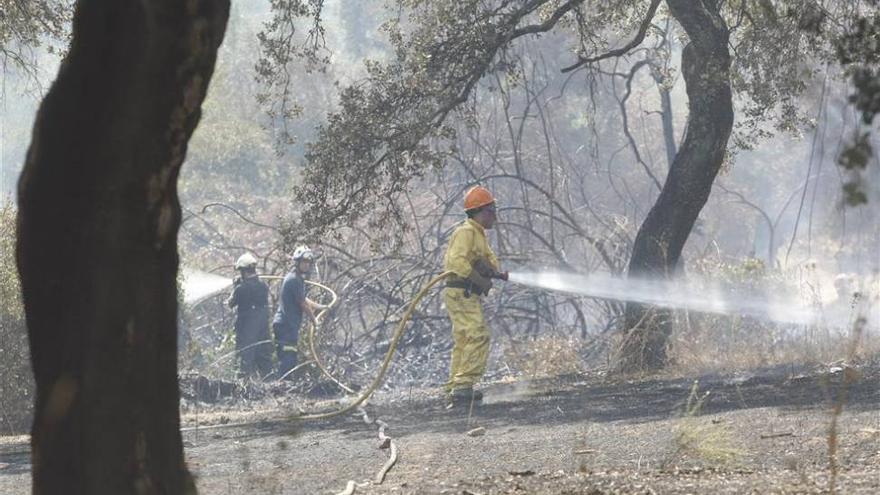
x: 250, y: 298
x: 293, y: 306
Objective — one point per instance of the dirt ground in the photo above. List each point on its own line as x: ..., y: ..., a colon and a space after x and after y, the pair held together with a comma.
x: 766, y: 431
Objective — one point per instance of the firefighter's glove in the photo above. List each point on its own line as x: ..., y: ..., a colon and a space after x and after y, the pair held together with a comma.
x: 486, y: 269
x: 483, y: 266
x: 481, y: 283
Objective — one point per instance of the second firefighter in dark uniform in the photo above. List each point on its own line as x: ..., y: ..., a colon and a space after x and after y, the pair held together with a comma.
x: 250, y: 298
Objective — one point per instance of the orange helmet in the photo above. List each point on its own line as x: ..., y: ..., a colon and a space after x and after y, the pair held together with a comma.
x: 477, y: 197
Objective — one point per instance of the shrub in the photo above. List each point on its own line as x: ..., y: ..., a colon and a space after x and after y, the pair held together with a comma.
x: 545, y: 356
x: 700, y: 440
x: 16, y: 379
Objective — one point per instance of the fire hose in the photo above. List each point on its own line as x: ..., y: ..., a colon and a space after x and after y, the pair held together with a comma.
x: 313, y: 332
x: 383, y: 369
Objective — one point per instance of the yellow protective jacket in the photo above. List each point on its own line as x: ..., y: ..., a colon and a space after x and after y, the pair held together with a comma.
x: 468, y: 243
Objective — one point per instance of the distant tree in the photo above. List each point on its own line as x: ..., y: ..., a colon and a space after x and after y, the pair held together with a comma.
x: 387, y: 126
x: 97, y: 244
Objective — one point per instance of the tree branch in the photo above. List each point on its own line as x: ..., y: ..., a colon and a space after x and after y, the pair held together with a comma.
x: 640, y: 36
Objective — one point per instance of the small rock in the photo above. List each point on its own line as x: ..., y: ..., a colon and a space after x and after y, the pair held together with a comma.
x: 477, y: 432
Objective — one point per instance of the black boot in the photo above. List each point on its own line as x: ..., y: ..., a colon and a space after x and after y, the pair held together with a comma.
x: 465, y: 395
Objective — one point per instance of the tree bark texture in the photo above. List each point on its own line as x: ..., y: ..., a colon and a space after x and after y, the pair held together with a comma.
x: 97, y: 246
x: 661, y: 238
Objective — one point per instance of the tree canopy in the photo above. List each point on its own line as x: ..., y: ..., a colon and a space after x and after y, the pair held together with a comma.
x: 386, y: 129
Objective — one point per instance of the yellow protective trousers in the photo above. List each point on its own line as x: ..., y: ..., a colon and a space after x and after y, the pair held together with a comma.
x: 470, y: 338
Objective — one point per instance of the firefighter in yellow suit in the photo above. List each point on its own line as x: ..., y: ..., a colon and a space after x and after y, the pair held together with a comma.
x: 473, y: 264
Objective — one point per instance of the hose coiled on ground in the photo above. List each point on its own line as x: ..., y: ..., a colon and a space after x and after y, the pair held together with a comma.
x: 398, y: 333
x: 313, y: 330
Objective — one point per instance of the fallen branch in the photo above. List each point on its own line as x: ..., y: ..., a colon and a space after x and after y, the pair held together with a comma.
x: 476, y: 432
x: 525, y: 472
x: 777, y: 435
x: 584, y: 451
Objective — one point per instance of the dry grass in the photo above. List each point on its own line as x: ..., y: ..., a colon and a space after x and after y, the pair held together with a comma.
x: 708, y: 343
x: 543, y: 357
x: 704, y: 343
x: 699, y: 439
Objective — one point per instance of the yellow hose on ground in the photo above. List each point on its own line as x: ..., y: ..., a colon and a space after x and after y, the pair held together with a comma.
x: 388, y: 355
x: 313, y: 329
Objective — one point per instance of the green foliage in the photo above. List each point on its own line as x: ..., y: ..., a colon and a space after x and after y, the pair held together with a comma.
x: 854, y: 159
x: 859, y: 51
x: 26, y: 25
x: 775, y: 59
x: 16, y: 380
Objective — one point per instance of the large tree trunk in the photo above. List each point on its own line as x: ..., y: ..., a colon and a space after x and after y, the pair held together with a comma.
x: 97, y: 246
x: 661, y: 238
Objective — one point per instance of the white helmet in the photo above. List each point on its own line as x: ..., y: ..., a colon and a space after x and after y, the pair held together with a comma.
x: 246, y: 260
x: 303, y: 253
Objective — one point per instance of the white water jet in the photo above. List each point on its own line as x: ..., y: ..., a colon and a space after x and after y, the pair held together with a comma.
x: 693, y: 295
x: 198, y: 285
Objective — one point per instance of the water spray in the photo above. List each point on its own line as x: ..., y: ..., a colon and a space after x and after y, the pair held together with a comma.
x: 693, y: 295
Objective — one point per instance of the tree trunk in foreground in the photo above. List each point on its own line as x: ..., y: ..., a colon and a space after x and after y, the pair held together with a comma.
x: 97, y: 246
x: 661, y: 238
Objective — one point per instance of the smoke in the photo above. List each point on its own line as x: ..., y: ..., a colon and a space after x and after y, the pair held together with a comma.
x: 691, y: 294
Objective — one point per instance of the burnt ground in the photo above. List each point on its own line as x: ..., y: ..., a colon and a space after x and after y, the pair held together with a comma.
x: 765, y: 431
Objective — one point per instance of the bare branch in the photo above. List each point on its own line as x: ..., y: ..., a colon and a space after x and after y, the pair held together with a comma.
x: 239, y: 214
